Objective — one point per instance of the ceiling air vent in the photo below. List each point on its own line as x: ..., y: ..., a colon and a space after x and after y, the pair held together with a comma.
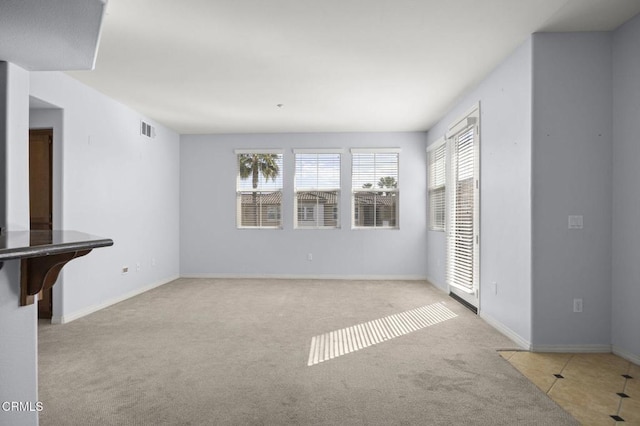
x: 147, y: 130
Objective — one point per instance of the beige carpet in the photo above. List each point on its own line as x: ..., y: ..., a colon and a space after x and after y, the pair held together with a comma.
x: 235, y: 352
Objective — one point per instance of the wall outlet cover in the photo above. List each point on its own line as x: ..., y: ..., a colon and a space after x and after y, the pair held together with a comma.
x: 575, y: 222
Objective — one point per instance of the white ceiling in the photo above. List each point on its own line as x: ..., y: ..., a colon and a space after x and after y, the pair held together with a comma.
x: 223, y: 66
x: 50, y: 35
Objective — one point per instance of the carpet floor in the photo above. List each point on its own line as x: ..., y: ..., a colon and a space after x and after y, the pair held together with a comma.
x: 237, y: 352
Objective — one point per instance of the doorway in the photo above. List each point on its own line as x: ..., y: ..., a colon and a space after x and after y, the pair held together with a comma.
x: 41, y: 197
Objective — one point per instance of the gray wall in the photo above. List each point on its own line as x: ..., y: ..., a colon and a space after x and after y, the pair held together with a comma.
x: 210, y: 244
x: 626, y: 190
x: 546, y: 153
x: 505, y: 205
x: 18, y: 333
x: 109, y: 181
x: 572, y: 125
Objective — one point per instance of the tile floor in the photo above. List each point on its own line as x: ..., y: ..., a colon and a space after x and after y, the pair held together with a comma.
x: 596, y: 389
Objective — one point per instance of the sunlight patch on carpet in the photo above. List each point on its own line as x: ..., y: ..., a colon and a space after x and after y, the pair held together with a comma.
x: 346, y: 340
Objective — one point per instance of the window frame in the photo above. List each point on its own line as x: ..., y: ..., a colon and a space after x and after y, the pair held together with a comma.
x: 437, y: 211
x: 317, y: 213
x: 356, y: 210
x: 268, y: 209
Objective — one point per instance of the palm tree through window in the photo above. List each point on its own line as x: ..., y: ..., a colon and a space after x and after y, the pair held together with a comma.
x: 259, y: 190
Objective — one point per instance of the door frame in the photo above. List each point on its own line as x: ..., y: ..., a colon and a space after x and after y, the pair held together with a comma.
x: 45, y: 297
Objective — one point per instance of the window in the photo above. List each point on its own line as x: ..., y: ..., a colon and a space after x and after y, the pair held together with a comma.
x: 374, y: 188
x: 317, y: 188
x: 259, y: 189
x: 306, y: 213
x: 273, y: 213
x: 437, y: 166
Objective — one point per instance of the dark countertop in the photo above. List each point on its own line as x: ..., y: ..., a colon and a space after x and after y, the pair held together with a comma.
x: 26, y: 244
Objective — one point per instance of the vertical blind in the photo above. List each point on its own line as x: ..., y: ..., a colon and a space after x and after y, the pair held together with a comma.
x: 437, y: 188
x: 259, y: 189
x: 375, y: 189
x: 317, y: 190
x: 462, y: 259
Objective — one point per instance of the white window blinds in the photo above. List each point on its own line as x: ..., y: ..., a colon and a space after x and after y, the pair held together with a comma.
x: 437, y: 185
x: 375, y: 188
x: 317, y: 189
x: 259, y: 189
x: 462, y: 238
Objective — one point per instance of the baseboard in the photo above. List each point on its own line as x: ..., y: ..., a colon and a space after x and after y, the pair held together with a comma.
x: 594, y: 349
x: 91, y: 309
x: 519, y: 340
x: 309, y: 277
x: 623, y: 353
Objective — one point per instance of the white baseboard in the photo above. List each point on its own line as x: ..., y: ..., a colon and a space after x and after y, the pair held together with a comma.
x: 623, y: 353
x: 593, y: 349
x: 91, y: 309
x: 308, y: 277
x: 519, y: 340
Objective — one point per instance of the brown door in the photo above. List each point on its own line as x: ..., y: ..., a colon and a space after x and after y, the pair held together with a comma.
x: 41, y: 196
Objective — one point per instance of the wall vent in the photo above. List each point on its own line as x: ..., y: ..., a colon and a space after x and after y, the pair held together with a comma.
x: 147, y: 129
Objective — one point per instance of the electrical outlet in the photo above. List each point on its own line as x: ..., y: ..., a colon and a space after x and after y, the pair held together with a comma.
x: 125, y: 269
x: 310, y: 257
x: 575, y: 222
x: 138, y: 267
x: 153, y: 261
x: 577, y: 305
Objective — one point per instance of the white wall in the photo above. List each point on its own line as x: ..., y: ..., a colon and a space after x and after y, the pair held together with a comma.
x: 18, y: 333
x: 115, y: 184
x: 17, y: 160
x: 210, y: 244
x: 626, y: 191
x: 505, y: 198
x: 572, y: 125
